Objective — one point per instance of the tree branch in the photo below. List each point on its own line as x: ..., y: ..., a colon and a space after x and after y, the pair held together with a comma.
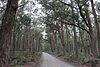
x: 75, y: 26
x: 81, y: 13
x: 22, y: 4
x: 84, y: 3
x: 68, y: 5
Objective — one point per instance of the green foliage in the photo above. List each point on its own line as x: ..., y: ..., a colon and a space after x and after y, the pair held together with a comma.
x: 46, y: 47
x: 83, y: 56
x: 22, y: 57
x: 98, y: 7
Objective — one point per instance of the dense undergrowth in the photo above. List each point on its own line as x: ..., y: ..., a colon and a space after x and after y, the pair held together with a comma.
x: 22, y: 57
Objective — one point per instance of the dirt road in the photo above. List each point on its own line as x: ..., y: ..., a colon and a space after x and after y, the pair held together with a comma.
x: 48, y: 60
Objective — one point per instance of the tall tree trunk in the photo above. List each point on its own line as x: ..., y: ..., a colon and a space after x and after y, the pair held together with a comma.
x: 96, y: 24
x: 52, y: 40
x: 75, y: 36
x: 75, y: 42
x: 13, y: 43
x: 92, y: 37
x: 6, y: 32
x: 61, y: 36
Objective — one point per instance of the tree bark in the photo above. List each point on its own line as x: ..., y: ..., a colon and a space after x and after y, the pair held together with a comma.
x: 96, y: 24
x: 6, y: 32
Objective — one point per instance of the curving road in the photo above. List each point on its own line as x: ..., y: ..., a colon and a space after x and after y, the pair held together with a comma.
x: 50, y: 61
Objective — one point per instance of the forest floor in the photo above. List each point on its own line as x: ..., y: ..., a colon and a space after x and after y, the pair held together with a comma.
x: 77, y: 62
x: 29, y: 64
x: 47, y: 60
x: 80, y: 63
x: 25, y: 59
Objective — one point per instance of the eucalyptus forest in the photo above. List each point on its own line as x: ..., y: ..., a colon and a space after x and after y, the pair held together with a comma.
x: 49, y: 33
